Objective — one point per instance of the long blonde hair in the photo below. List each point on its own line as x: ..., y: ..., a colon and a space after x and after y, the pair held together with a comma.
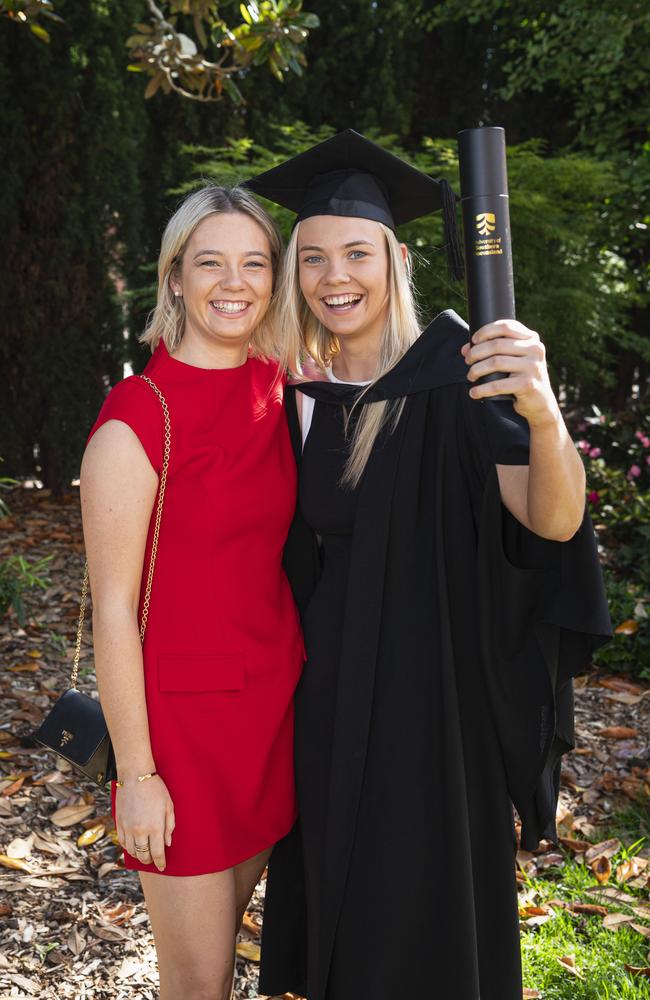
x: 167, y: 321
x: 303, y: 333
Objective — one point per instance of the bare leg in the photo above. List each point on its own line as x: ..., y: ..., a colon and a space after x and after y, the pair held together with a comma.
x: 194, y: 924
x: 247, y: 875
x: 195, y: 920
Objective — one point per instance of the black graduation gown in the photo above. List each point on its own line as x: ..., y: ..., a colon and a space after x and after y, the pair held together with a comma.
x: 460, y: 633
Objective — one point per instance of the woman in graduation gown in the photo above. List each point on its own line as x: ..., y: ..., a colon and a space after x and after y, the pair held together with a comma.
x: 449, y: 586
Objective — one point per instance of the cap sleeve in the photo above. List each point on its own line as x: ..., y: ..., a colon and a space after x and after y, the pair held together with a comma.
x: 135, y: 404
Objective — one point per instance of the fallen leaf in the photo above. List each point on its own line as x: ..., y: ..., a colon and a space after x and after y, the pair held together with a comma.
x: 620, y: 684
x: 24, y: 668
x: 609, y: 892
x: 628, y: 627
x: 119, y: 913
x: 638, y: 970
x: 605, y: 849
x: 612, y: 921
x: 530, y: 994
x: 107, y: 867
x: 20, y: 848
x: 602, y: 869
x: 642, y: 929
x: 106, y: 931
x: 250, y: 924
x: 249, y: 950
x: 129, y: 967
x: 69, y: 815
x: 16, y: 863
x: 533, y: 911
x: 590, y: 909
x: 76, y: 942
x: 626, y: 697
x: 568, y: 962
x: 549, y: 860
x: 91, y: 835
x: 13, y: 787
x: 617, y: 732
x: 629, y: 869
x: 575, y: 845
x: 23, y: 982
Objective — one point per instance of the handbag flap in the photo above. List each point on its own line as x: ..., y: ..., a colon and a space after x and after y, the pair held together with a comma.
x: 75, y: 727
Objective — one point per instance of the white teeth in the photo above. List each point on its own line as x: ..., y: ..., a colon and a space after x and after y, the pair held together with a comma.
x: 230, y: 307
x: 341, y: 300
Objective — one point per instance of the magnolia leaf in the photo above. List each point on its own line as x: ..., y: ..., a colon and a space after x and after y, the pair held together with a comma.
x: 20, y: 848
x: 16, y: 863
x: 612, y: 921
x: 617, y: 732
x: 605, y: 849
x: 69, y: 815
x: 602, y: 869
x: 638, y: 970
x: 629, y: 627
x: 248, y: 950
x: 91, y: 835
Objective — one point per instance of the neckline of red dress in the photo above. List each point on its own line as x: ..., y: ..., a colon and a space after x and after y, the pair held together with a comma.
x: 162, y: 355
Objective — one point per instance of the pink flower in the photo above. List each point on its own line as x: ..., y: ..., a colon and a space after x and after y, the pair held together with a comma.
x: 595, y: 453
x: 645, y: 442
x: 583, y: 445
x: 647, y: 460
x: 633, y: 472
x: 594, y: 497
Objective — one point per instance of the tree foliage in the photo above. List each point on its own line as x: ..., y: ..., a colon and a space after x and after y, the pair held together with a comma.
x: 207, y: 63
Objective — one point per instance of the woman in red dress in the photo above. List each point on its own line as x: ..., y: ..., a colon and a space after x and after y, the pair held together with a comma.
x: 200, y: 714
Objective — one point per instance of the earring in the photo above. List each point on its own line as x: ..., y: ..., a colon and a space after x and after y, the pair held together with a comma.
x: 177, y: 294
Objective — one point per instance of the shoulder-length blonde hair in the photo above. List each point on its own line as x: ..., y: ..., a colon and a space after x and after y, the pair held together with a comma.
x: 167, y: 321
x: 304, y: 334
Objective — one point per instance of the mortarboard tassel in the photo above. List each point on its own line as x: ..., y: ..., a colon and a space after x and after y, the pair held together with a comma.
x: 453, y: 247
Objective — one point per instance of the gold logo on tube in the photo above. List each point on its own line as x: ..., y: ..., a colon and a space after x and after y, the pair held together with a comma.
x: 485, y: 223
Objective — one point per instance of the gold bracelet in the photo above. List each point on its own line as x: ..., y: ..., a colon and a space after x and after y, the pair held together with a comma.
x: 141, y: 777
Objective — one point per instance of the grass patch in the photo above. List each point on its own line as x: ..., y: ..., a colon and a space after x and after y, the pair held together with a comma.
x: 600, y: 954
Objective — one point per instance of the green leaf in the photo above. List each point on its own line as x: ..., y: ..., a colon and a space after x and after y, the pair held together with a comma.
x: 245, y: 13
x: 39, y: 31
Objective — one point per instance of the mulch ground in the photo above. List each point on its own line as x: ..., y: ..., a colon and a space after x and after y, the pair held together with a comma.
x: 72, y: 919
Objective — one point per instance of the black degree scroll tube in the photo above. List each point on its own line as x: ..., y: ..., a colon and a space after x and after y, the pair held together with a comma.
x: 486, y: 229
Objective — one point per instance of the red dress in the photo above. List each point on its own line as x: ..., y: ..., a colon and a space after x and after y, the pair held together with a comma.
x: 223, y: 647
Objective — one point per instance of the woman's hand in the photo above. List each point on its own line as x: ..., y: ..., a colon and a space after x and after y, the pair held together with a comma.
x: 510, y: 347
x: 145, y: 817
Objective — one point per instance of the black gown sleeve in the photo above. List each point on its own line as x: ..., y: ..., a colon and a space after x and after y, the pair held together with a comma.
x: 541, y: 610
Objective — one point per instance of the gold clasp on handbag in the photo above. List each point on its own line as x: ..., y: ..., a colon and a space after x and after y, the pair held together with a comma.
x: 65, y: 738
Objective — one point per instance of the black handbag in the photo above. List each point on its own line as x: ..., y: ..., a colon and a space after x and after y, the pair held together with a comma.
x: 75, y: 728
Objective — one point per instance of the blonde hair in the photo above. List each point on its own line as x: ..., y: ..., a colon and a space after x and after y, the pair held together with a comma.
x: 167, y: 320
x: 303, y: 332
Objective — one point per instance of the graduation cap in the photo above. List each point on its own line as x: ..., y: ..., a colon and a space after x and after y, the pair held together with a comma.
x: 350, y: 175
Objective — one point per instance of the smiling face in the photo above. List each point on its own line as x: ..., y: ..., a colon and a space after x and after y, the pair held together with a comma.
x: 225, y: 278
x: 343, y: 269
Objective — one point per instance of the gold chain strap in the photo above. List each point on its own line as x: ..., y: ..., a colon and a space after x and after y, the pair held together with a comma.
x: 154, y: 543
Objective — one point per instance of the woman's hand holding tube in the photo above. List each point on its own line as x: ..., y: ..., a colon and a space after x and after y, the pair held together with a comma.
x: 510, y: 347
x: 145, y: 818
x: 548, y: 494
